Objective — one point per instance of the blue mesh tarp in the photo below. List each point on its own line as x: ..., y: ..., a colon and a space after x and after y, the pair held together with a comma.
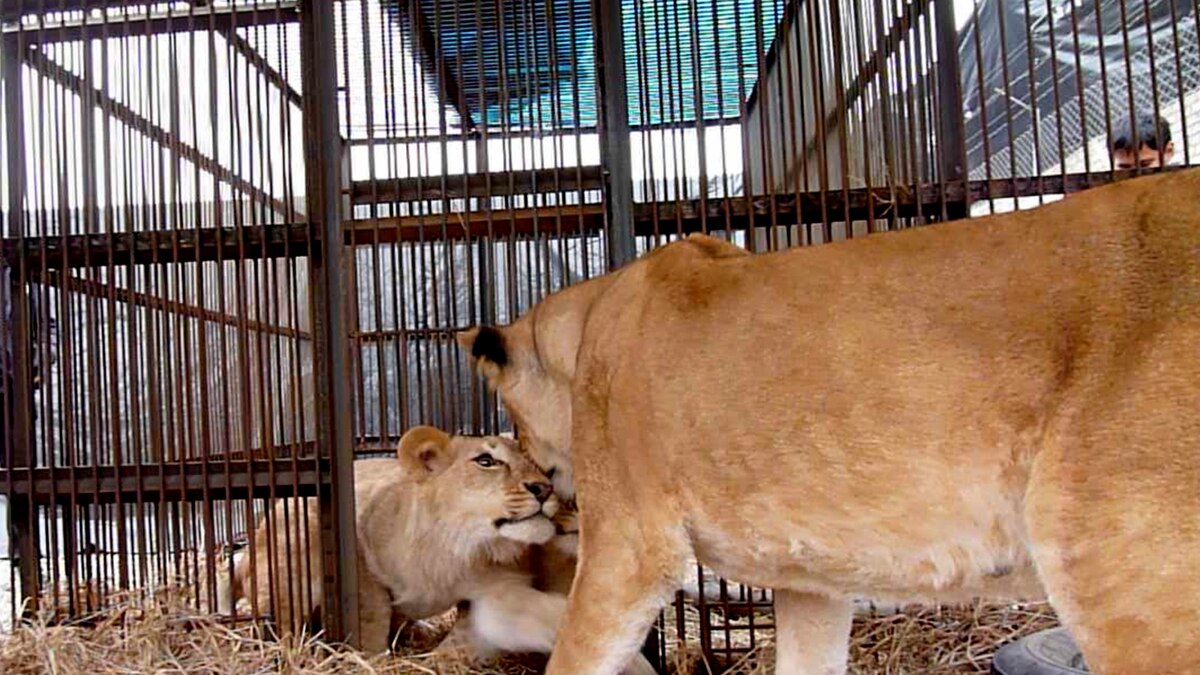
x: 524, y: 64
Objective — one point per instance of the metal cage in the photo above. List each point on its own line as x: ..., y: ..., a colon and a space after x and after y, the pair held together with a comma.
x: 240, y: 234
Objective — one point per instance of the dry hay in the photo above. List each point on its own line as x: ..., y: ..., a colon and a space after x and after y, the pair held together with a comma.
x: 944, y: 640
x: 949, y: 640
x: 165, y: 636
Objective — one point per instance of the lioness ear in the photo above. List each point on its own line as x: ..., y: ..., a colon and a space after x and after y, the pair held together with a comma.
x: 424, y: 451
x: 487, y: 348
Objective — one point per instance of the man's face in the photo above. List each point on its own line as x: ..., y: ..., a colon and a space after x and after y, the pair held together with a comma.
x: 1146, y: 157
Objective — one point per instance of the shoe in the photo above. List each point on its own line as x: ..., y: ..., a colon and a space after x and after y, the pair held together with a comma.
x: 1049, y: 652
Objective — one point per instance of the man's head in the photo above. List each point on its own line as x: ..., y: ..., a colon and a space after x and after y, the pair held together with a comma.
x: 1147, y: 145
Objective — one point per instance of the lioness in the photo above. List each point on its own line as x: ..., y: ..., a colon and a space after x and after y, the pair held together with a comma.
x: 1004, y: 407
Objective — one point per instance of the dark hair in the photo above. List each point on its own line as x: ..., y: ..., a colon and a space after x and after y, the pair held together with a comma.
x: 1152, y: 131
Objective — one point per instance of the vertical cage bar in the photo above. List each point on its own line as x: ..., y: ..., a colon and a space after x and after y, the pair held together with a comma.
x: 615, y: 150
x: 952, y: 153
x: 323, y: 167
x: 20, y: 514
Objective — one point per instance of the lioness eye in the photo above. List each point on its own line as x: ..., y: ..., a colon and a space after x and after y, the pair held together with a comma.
x: 486, y: 461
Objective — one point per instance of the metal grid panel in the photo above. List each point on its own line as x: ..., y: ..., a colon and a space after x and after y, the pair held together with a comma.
x: 159, y: 318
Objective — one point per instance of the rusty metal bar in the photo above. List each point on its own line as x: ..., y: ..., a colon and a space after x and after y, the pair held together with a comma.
x: 192, y: 481
x: 494, y: 184
x: 615, y: 151
x: 290, y: 240
x: 169, y: 246
x: 15, y: 9
x: 323, y: 166
x: 1033, y: 94
x: 951, y: 149
x: 18, y: 423
x: 387, y: 139
x: 909, y: 200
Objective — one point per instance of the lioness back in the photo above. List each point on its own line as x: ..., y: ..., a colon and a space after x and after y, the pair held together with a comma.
x: 939, y: 354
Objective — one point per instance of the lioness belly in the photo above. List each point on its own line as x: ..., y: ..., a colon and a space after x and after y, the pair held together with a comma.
x: 945, y: 558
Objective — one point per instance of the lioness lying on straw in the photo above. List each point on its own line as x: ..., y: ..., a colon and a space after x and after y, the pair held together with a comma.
x: 452, y: 520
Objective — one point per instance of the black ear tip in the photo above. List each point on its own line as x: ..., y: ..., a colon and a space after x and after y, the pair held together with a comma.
x: 489, y: 344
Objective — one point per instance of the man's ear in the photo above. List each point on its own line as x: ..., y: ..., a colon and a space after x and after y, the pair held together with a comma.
x: 487, y: 348
x: 424, y: 451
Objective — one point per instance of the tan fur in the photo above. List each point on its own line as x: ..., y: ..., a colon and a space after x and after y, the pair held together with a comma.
x: 427, y: 533
x: 1004, y: 407
x: 428, y: 541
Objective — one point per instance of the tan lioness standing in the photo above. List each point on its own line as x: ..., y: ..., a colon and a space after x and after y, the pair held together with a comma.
x: 1004, y: 407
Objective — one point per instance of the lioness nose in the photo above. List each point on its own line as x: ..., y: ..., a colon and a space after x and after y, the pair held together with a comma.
x: 540, y: 490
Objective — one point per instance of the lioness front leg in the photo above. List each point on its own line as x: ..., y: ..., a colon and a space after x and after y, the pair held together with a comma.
x: 812, y: 635
x: 621, y: 585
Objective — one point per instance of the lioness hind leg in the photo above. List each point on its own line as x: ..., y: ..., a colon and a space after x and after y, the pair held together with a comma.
x: 813, y: 633
x: 1112, y: 510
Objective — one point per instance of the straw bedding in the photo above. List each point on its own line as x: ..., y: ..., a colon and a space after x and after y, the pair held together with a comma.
x: 165, y: 636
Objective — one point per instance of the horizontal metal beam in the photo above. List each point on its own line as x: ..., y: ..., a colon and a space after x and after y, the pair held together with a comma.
x: 190, y: 481
x: 903, y: 201
x: 494, y: 184
x: 251, y: 242
x: 500, y: 133
x: 269, y: 241
x: 142, y: 23
x: 426, y: 334
x: 14, y: 9
x: 569, y: 219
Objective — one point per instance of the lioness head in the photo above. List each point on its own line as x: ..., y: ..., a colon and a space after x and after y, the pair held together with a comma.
x: 488, y: 483
x: 531, y: 362
x: 535, y: 390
